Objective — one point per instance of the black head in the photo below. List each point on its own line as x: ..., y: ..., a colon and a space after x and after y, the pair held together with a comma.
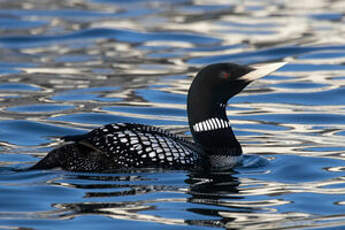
x: 223, y: 80
x: 219, y: 82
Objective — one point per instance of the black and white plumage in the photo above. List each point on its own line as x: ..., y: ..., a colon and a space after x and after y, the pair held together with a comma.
x: 125, y: 145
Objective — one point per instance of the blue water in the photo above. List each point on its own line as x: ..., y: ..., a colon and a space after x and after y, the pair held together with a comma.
x: 69, y: 66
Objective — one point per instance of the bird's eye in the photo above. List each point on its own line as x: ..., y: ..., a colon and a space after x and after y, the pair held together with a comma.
x: 224, y: 75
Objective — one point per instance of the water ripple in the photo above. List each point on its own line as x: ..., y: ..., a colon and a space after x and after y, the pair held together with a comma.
x: 69, y: 66
x: 96, y: 33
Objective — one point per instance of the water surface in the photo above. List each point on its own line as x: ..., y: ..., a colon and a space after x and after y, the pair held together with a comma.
x: 69, y: 66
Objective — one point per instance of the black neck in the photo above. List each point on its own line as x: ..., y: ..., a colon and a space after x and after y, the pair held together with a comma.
x: 208, y: 122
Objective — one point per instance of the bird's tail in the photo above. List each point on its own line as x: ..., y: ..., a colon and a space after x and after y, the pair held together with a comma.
x: 55, y: 158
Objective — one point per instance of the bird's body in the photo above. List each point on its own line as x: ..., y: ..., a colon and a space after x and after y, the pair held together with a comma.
x: 124, y: 145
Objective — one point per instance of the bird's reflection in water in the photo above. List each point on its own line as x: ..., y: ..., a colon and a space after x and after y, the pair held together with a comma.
x: 214, y: 191
x: 205, y: 195
x: 212, y: 185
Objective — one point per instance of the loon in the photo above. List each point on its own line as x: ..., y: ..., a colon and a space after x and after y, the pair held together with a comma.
x: 131, y: 146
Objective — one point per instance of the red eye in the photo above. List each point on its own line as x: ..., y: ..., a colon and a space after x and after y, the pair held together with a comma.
x: 224, y: 75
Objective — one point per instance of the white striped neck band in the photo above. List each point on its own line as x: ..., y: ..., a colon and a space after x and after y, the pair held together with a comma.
x: 210, y: 124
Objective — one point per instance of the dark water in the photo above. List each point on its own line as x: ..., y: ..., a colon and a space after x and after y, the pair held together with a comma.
x: 69, y: 66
